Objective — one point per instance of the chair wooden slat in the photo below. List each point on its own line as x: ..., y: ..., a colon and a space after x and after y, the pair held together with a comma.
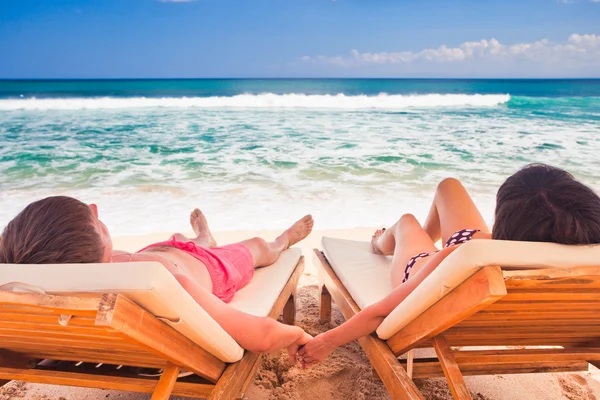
x: 102, y: 381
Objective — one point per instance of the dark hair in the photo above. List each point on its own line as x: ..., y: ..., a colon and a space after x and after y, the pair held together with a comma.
x: 541, y: 203
x: 56, y: 229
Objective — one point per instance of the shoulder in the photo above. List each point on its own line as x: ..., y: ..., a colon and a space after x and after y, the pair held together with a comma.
x: 121, y: 256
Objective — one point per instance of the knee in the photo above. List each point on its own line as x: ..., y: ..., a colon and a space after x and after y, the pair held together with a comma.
x: 261, y: 252
x: 260, y: 244
x: 407, y: 220
x: 449, y: 184
x: 180, y: 237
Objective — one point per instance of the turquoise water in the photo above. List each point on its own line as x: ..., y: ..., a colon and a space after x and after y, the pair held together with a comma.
x: 257, y: 153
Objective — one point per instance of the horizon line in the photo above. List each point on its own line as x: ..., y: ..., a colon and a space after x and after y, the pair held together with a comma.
x: 298, y: 78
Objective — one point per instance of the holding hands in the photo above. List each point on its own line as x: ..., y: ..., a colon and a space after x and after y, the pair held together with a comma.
x: 362, y: 324
x: 314, y: 351
x: 294, y: 347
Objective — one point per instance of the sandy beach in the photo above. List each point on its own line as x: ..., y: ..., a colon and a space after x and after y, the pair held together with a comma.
x: 346, y: 374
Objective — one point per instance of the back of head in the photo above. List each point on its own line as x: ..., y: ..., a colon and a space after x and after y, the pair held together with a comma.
x: 56, y: 229
x: 541, y: 203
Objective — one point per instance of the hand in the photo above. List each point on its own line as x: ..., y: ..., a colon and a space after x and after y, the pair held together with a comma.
x: 316, y: 350
x: 293, y: 348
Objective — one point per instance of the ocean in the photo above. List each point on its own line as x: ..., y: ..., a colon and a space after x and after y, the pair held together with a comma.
x: 258, y: 154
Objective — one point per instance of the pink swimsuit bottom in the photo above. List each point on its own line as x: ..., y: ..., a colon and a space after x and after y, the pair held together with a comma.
x: 230, y: 267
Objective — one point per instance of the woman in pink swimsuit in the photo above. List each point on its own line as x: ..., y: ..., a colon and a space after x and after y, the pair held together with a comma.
x: 539, y: 203
x: 64, y: 230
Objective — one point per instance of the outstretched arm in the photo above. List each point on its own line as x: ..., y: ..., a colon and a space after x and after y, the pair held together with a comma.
x: 257, y: 334
x: 369, y: 319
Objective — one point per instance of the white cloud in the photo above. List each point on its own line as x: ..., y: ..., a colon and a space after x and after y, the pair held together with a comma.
x: 578, y: 51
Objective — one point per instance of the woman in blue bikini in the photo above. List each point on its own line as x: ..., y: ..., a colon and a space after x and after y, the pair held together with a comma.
x: 539, y: 203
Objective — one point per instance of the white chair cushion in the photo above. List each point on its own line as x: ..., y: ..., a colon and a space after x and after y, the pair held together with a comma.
x: 259, y: 296
x: 153, y: 288
x: 367, y: 276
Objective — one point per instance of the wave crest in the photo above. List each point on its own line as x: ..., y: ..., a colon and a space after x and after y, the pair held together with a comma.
x: 264, y: 101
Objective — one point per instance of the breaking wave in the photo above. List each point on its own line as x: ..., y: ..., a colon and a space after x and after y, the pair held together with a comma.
x: 263, y: 101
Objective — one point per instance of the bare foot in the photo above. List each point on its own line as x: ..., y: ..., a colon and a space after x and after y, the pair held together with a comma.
x: 297, y: 232
x: 375, y: 242
x: 200, y: 227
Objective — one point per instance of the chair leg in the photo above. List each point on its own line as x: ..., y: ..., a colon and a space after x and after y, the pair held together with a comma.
x: 389, y: 369
x: 374, y: 374
x: 450, y: 367
x: 166, y: 383
x: 410, y: 356
x: 242, y: 393
x: 325, y: 306
x: 12, y: 359
x: 236, y: 377
x: 289, y: 310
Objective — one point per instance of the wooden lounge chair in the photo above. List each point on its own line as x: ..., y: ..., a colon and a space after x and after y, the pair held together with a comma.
x: 108, y: 318
x: 538, y: 302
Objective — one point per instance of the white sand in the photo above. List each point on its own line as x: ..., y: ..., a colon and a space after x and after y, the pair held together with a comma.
x: 346, y: 374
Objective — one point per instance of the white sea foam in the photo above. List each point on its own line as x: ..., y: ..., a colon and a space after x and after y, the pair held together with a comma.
x: 255, y: 168
x: 264, y: 101
x: 128, y: 211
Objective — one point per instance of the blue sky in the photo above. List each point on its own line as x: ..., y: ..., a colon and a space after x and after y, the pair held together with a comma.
x: 299, y: 38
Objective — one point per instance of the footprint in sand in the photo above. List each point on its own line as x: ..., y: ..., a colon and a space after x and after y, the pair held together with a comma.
x: 13, y: 390
x: 575, y: 387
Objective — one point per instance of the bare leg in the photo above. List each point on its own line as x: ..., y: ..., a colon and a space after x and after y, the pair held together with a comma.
x: 405, y: 239
x: 266, y: 253
x: 199, y: 224
x: 452, y: 210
